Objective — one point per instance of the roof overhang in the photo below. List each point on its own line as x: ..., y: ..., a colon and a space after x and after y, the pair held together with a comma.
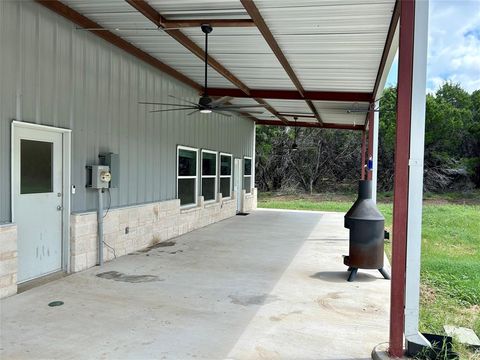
x: 313, y: 60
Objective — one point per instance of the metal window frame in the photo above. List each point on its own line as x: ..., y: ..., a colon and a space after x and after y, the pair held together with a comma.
x: 226, y: 176
x: 251, y: 173
x: 188, y: 148
x: 209, y: 176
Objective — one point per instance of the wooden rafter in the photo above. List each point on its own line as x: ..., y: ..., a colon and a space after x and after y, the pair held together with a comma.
x: 257, y: 18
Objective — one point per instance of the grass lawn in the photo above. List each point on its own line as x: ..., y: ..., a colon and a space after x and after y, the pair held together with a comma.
x: 450, y: 289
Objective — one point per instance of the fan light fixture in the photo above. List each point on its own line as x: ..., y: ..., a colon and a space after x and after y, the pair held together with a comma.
x: 205, y: 111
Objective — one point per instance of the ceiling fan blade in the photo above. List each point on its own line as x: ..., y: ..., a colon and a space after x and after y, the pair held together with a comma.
x: 159, y: 103
x: 180, y: 99
x: 221, y: 100
x: 193, y: 112
x: 240, y: 110
x: 221, y: 113
x: 242, y: 106
x: 185, y: 108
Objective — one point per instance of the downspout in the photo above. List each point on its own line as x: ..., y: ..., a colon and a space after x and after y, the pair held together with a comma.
x: 415, y: 192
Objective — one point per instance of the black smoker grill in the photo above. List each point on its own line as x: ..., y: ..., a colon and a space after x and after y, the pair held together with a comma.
x: 367, y: 233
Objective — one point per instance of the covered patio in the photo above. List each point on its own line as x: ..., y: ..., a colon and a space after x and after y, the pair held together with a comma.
x: 274, y: 288
x: 234, y: 293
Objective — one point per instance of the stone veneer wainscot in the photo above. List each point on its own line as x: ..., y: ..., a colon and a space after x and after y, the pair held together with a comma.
x: 8, y: 260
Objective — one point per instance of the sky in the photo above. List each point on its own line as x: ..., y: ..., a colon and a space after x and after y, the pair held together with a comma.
x: 453, y: 45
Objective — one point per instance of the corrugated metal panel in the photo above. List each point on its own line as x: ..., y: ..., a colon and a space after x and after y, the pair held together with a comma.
x: 54, y: 75
x: 343, y: 41
x: 331, y: 45
x: 342, y: 112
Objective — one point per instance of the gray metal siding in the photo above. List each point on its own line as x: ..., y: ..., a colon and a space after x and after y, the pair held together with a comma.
x: 52, y: 74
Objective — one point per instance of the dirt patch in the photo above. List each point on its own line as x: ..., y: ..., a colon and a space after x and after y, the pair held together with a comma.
x: 427, y: 294
x: 118, y: 276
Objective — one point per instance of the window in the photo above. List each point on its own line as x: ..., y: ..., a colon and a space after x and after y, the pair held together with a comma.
x: 36, y: 158
x: 247, y: 174
x: 226, y: 175
x: 187, y: 175
x: 209, y: 175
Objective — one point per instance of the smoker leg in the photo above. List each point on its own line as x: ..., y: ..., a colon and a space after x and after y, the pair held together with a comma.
x: 350, y: 268
x: 384, y: 273
x: 353, y: 274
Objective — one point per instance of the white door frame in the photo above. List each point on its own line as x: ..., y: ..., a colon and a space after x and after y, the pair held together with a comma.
x: 66, y: 181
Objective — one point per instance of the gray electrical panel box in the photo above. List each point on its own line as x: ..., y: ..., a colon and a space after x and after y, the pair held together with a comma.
x: 113, y: 162
x: 100, y: 176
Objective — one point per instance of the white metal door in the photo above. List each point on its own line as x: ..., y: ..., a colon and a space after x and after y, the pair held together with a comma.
x: 37, y: 201
x: 237, y: 183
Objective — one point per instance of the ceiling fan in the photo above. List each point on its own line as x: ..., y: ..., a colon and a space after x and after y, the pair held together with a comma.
x: 206, y: 104
x: 294, y: 147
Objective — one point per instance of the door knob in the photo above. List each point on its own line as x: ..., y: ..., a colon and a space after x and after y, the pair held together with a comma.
x: 59, y: 207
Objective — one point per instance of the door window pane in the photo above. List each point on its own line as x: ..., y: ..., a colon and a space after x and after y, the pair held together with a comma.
x: 208, y: 189
x: 186, y: 191
x: 225, y: 187
x: 248, y: 167
x: 225, y: 165
x: 36, y: 167
x: 187, y: 163
x: 209, y: 162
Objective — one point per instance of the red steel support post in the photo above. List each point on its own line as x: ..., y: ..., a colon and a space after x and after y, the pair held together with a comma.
x: 364, y: 145
x: 402, y: 155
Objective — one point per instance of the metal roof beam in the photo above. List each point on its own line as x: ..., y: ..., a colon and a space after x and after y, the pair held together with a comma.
x: 271, y: 109
x: 150, y: 13
x: 293, y: 95
x: 388, y: 44
x: 84, y: 22
x: 310, y: 125
x: 257, y: 18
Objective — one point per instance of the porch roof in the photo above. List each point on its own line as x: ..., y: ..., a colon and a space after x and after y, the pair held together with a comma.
x: 311, y: 53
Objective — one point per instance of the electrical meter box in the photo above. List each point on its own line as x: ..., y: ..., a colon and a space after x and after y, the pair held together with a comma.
x: 101, y: 176
x: 113, y: 162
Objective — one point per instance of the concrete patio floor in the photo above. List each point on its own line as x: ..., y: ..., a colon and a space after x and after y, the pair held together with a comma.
x: 270, y: 285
